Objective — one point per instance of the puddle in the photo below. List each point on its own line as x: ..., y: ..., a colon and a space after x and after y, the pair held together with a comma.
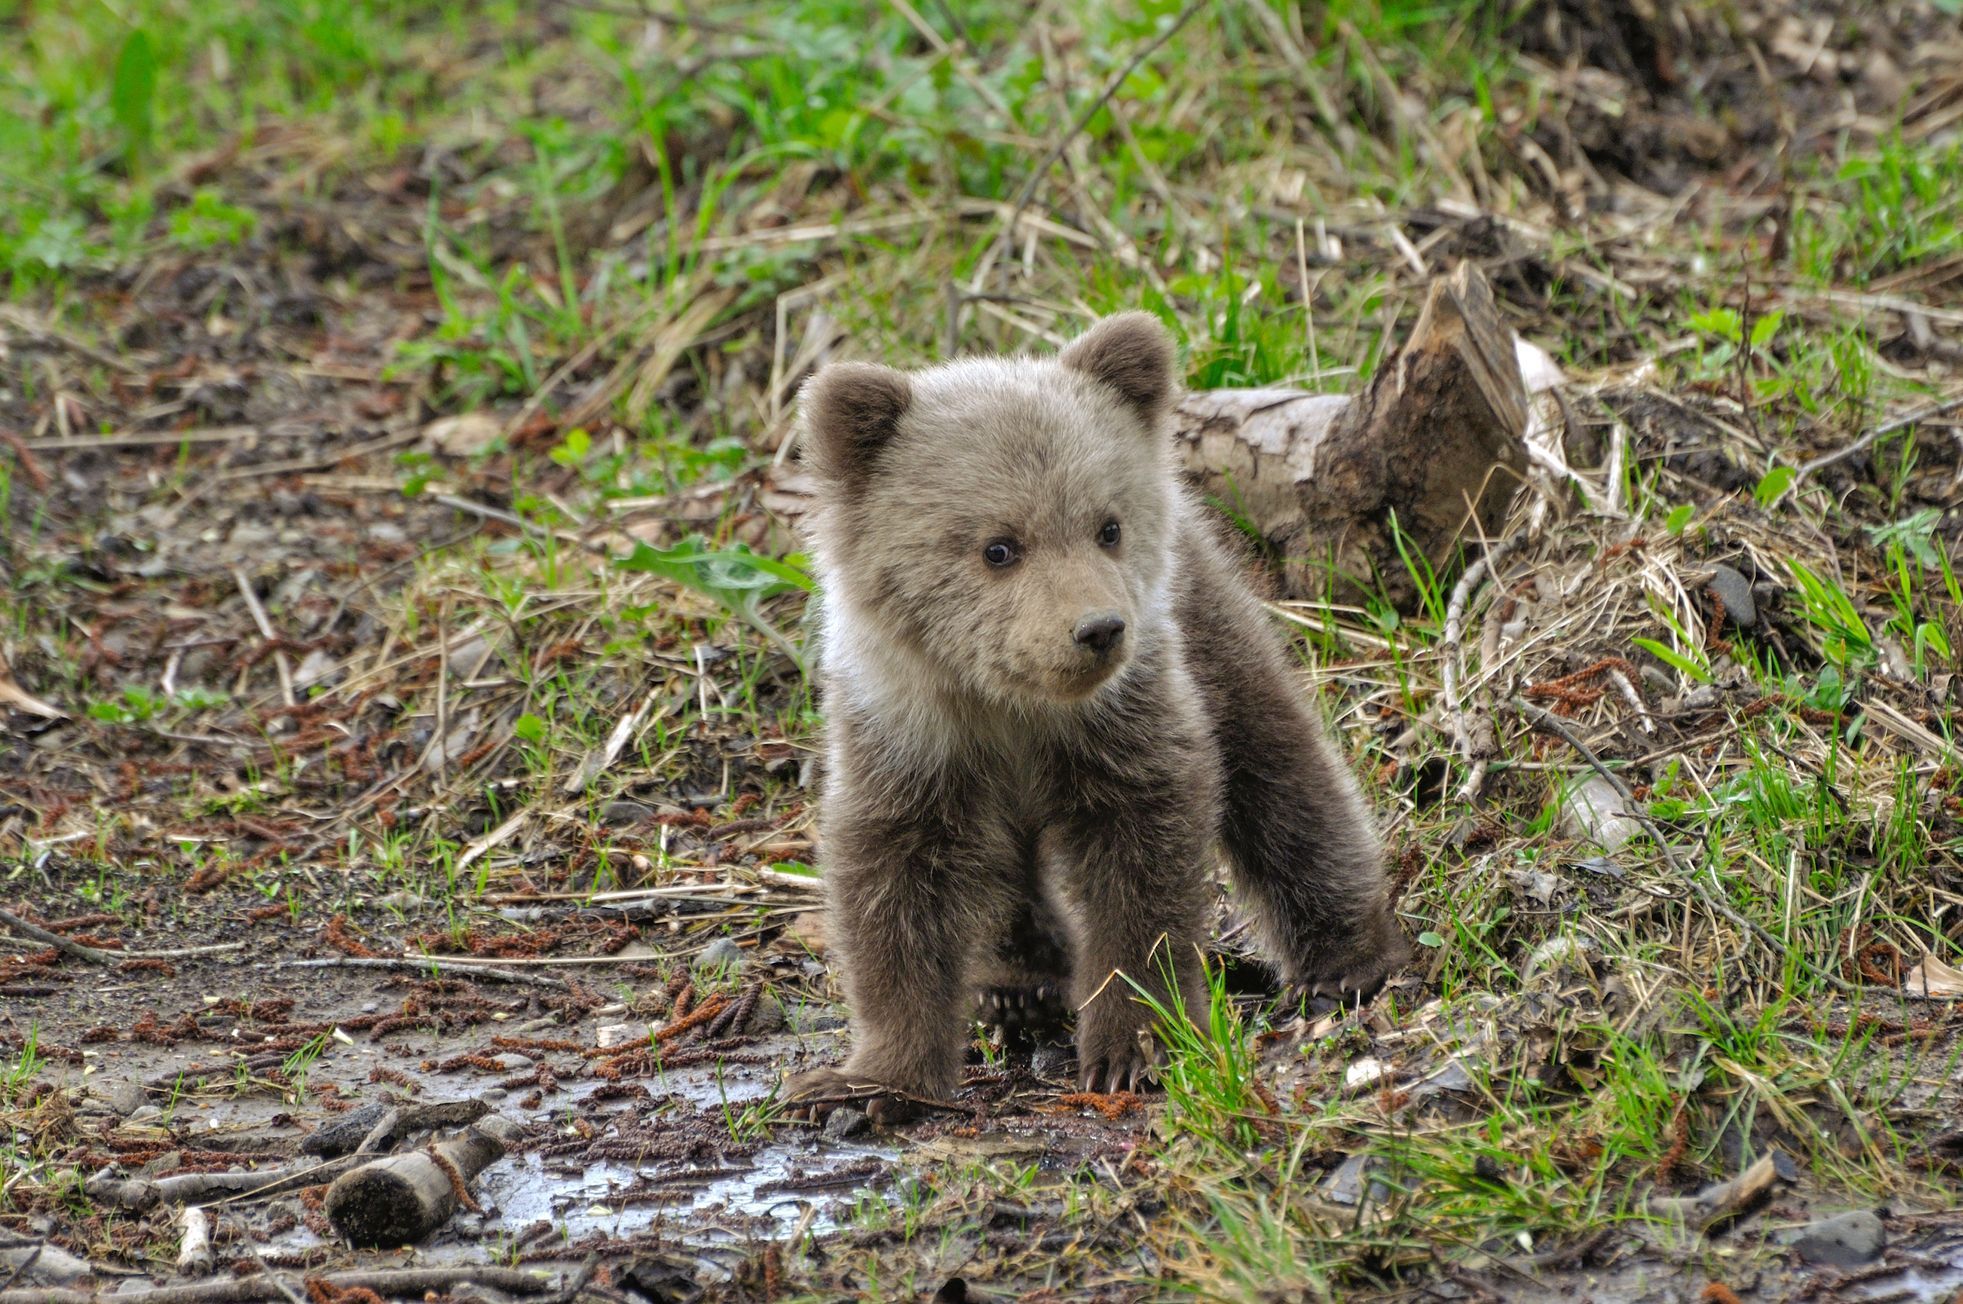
x: 769, y: 1192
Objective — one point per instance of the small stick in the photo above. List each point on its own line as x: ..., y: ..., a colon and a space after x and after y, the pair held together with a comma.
x: 194, y: 1256
x: 394, y: 1283
x: 56, y: 940
x: 1035, y: 178
x: 455, y: 963
x: 1942, y: 407
x: 96, y: 956
x: 1452, y: 663
x: 266, y: 632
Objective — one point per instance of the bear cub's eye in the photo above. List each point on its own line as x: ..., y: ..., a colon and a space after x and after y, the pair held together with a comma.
x: 1001, y: 552
x: 1108, y: 536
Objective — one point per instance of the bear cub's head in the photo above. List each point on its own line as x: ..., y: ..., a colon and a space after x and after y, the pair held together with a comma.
x: 1003, y: 524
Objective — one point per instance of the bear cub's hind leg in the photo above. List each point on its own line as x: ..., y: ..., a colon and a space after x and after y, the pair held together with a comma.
x: 1025, y: 982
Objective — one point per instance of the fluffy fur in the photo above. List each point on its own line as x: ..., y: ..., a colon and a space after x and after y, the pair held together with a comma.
x: 1011, y: 789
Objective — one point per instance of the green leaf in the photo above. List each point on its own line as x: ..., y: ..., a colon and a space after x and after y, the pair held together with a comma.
x: 1677, y: 659
x: 1766, y: 327
x: 575, y: 448
x: 529, y: 727
x: 1723, y: 323
x: 133, y: 91
x: 1430, y: 939
x: 734, y: 576
x: 1773, y: 484
x: 1679, y: 517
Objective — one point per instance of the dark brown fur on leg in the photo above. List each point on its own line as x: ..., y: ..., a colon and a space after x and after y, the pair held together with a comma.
x: 1137, y: 794
x: 915, y: 891
x: 1295, y: 827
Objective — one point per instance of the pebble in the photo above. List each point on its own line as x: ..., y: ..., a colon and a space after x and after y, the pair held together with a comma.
x: 845, y: 1123
x: 1846, y: 1240
x: 624, y: 814
x: 122, y: 1097
x: 1595, y: 812
x: 1354, y: 1180
x: 1735, y: 592
x: 721, y: 952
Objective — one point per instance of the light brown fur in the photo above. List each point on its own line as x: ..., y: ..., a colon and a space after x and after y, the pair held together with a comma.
x: 998, y: 771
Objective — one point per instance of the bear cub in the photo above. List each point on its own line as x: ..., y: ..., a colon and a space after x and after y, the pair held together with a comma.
x: 1051, y: 696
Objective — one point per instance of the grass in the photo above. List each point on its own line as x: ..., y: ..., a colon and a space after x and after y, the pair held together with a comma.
x: 621, y: 240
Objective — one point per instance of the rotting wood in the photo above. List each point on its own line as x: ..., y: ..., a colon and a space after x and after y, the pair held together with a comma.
x: 137, y: 1194
x: 194, y: 1256
x: 397, y: 1283
x: 1436, y: 440
x: 403, y: 1198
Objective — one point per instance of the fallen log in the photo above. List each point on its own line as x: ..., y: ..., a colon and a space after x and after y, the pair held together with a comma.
x: 138, y: 1195
x: 392, y: 1283
x: 403, y: 1198
x: 1434, y: 443
x: 33, y: 1259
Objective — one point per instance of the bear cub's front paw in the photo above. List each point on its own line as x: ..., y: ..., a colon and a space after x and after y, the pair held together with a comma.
x: 814, y: 1094
x: 1115, y: 1047
x: 1353, y: 974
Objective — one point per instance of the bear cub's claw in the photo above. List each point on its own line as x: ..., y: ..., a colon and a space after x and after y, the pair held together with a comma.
x: 1353, y: 976
x: 1023, y: 1013
x: 813, y: 1095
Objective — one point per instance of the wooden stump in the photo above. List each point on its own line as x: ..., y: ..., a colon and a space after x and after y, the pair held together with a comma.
x: 403, y: 1198
x: 1434, y: 443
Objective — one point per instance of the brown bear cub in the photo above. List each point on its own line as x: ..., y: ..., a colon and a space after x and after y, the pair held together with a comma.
x: 1051, y: 695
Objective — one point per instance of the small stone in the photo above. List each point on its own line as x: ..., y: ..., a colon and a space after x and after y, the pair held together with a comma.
x: 122, y: 1098
x: 767, y: 1018
x: 1735, y: 592
x: 1595, y: 812
x: 145, y: 1113
x: 625, y: 814
x: 845, y: 1123
x: 721, y: 952
x: 1364, y: 1074
x: 1050, y: 1060
x: 1353, y: 1181
x: 614, y: 1034
x: 1846, y: 1240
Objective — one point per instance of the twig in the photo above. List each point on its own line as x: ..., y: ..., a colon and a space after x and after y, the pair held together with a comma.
x: 1942, y: 407
x: 1452, y: 659
x: 156, y: 438
x: 265, y: 625
x: 400, y: 1283
x: 1548, y: 722
x: 95, y: 956
x: 457, y: 964
x: 56, y: 940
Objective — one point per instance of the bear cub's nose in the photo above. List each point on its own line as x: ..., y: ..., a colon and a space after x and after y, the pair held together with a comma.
x: 1100, y: 633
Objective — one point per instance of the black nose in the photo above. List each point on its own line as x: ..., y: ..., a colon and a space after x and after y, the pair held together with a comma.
x: 1100, y: 633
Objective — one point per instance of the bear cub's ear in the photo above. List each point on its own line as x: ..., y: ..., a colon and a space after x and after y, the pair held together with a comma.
x: 850, y: 411
x: 1133, y: 354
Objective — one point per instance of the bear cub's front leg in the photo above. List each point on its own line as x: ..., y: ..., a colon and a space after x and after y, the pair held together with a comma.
x: 911, y: 900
